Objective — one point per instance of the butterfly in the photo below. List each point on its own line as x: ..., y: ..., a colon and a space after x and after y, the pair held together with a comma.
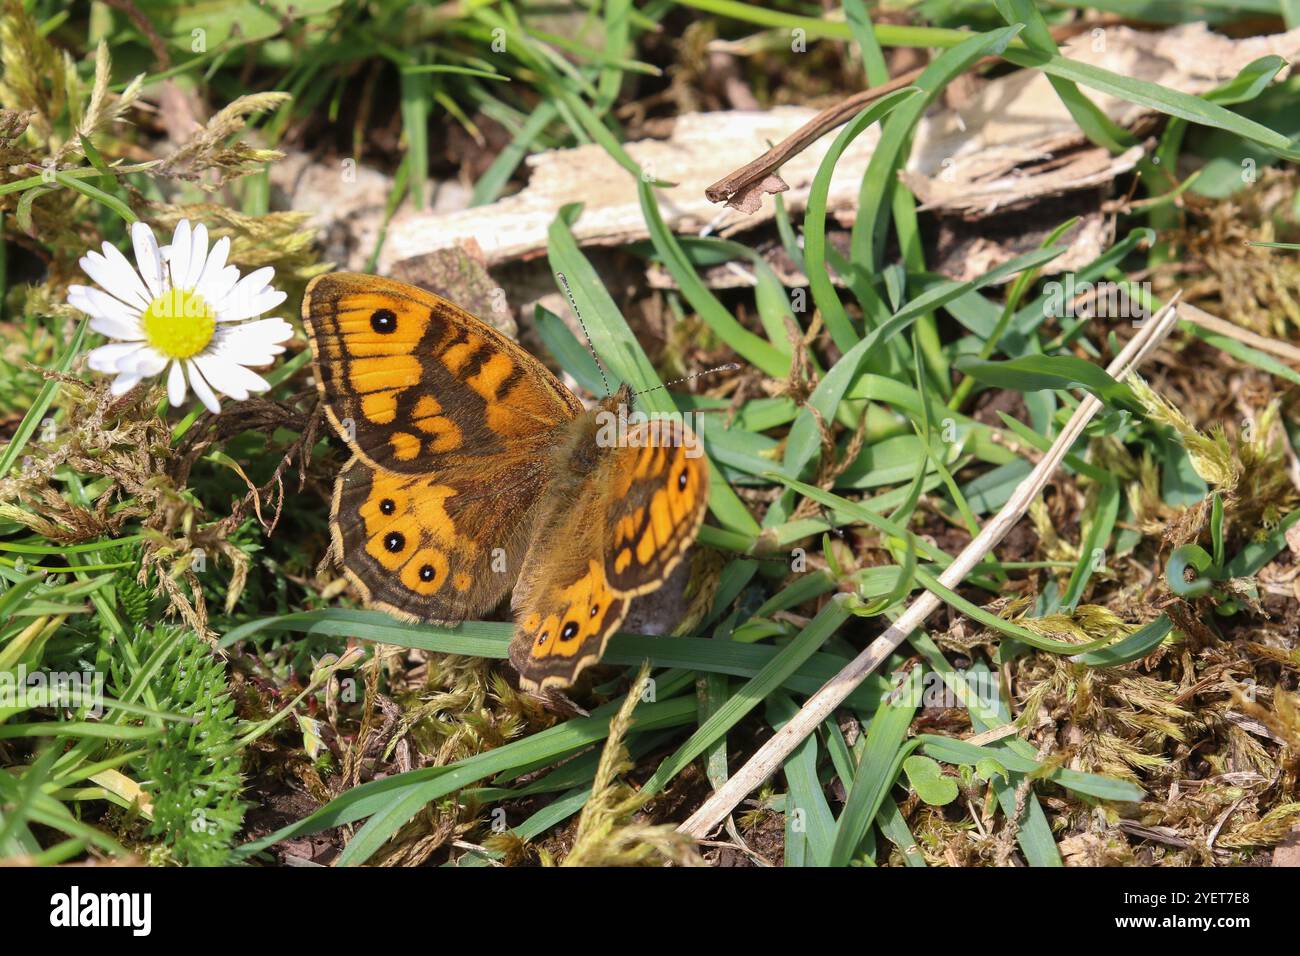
x: 476, y: 472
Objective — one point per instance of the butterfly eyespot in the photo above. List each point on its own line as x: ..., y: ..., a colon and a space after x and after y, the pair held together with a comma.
x: 427, y: 573
x: 570, y: 631
x: 388, y: 506
x: 594, y: 608
x: 681, y: 481
x: 394, y: 541
x: 541, y: 639
x: 383, y: 321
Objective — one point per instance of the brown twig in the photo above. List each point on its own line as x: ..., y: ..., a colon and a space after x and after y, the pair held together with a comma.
x: 743, y: 180
x: 741, y: 183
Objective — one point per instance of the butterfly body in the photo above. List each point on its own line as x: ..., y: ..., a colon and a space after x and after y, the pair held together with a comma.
x: 475, y: 473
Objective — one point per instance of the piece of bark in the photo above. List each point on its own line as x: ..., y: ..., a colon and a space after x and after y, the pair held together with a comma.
x: 999, y: 148
x: 460, y: 276
x: 1019, y: 187
x: 1016, y: 123
x: 966, y: 250
x: 701, y: 146
x: 346, y: 202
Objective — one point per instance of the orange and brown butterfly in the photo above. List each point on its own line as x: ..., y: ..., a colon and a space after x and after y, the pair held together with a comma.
x: 475, y: 472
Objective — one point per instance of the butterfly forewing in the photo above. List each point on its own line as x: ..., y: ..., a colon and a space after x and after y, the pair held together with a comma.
x: 412, y: 381
x: 449, y: 422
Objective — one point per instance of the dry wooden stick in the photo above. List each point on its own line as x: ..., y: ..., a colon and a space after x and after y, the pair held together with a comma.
x: 820, y: 706
x: 747, y: 177
x: 1212, y: 323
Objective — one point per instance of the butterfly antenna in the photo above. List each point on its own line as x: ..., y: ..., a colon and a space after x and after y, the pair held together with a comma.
x: 729, y: 367
x: 573, y: 304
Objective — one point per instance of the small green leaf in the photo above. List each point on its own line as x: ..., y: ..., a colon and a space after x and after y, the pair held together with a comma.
x: 1197, y: 558
x: 928, y: 780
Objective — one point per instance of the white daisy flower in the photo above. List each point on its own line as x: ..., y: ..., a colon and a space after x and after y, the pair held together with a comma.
x: 182, y: 312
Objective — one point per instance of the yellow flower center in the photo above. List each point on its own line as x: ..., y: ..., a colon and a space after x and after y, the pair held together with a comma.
x: 179, y: 324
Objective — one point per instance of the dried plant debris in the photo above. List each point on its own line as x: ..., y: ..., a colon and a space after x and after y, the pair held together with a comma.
x: 608, y: 833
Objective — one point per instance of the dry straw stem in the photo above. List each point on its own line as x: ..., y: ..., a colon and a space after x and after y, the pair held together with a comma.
x: 1283, y: 350
x: 772, y: 754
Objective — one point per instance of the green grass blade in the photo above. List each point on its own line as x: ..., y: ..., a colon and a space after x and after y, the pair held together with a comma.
x: 752, y: 348
x: 814, y: 227
x: 879, y: 766
x: 747, y: 697
x: 32, y: 420
x: 805, y: 797
x: 416, y: 787
x: 880, y: 180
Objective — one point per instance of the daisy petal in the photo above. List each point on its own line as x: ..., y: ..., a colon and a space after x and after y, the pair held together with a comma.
x: 202, y: 389
x: 252, y: 343
x: 198, y: 254
x: 258, y: 356
x: 179, y: 259
x: 124, y: 383
x: 176, y: 384
x: 122, y: 265
x: 212, y: 269
x: 144, y: 363
x: 271, y: 330
x: 148, y: 258
x: 239, y: 307
x: 230, y: 377
x: 246, y: 290
x: 115, y: 329
x: 218, y: 286
x: 106, y: 357
x: 97, y: 304
x: 109, y: 279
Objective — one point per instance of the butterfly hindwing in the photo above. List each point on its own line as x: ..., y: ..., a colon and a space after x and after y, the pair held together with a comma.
x: 619, y: 534
x: 431, y: 548
x: 565, y: 610
x: 412, y: 381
